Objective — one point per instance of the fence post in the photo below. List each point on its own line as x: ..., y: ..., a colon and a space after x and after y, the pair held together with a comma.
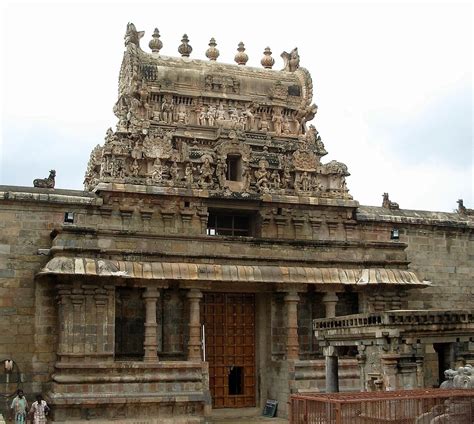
x: 338, y: 413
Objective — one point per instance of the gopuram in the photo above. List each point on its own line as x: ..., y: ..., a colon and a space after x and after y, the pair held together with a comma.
x: 215, y: 260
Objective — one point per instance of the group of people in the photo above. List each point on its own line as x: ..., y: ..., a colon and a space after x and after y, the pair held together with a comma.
x: 37, y: 413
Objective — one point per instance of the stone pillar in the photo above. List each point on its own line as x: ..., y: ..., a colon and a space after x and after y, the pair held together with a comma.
x: 330, y: 300
x: 150, y: 345
x: 332, y: 370
x: 361, y: 360
x: 292, y: 345
x: 194, y: 343
x: 389, y: 362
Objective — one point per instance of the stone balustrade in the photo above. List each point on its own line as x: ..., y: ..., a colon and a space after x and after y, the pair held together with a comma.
x: 396, y: 318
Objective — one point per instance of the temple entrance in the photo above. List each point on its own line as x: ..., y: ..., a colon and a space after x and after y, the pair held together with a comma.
x: 229, y: 322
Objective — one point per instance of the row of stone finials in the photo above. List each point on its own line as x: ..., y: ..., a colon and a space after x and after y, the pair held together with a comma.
x: 291, y: 60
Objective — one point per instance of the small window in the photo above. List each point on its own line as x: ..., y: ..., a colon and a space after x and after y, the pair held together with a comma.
x: 228, y: 224
x: 234, y: 168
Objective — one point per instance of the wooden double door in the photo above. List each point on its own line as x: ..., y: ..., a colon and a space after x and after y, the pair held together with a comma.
x: 229, y: 325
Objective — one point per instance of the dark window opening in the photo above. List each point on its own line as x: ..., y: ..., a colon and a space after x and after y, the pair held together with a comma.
x: 236, y: 380
x: 186, y: 204
x: 228, y: 224
x: 234, y: 168
x: 129, y: 324
x: 294, y: 90
x: 69, y: 217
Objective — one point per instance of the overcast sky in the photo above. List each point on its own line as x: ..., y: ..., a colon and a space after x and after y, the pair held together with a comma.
x: 393, y: 83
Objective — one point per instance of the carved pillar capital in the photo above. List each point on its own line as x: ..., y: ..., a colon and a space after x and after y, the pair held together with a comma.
x: 330, y: 300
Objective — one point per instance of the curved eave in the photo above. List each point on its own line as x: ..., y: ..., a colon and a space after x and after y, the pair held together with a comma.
x: 182, y: 271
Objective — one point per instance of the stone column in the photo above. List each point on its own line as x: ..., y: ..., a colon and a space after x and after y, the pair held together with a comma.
x: 150, y: 345
x: 332, y: 370
x: 194, y: 343
x: 292, y: 345
x: 330, y: 300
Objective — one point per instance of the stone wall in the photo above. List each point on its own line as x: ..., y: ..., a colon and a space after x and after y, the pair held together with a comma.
x: 440, y: 248
x: 28, y: 324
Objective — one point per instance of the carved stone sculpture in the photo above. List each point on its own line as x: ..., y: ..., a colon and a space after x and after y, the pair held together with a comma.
x: 261, y: 176
x: 45, y: 182
x: 462, y: 210
x: 388, y: 204
x: 291, y: 60
x: 206, y: 171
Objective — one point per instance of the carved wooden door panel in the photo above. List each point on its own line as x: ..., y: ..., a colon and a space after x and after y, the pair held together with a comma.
x: 229, y: 321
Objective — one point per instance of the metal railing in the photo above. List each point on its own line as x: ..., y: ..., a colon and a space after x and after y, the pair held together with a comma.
x: 424, y: 406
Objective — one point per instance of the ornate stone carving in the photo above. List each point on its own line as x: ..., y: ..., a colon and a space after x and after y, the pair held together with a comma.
x: 132, y: 36
x: 261, y: 177
x: 155, y: 43
x: 291, y: 60
x: 185, y: 48
x: 462, y: 210
x: 267, y: 59
x: 45, y: 182
x: 212, y: 53
x: 246, y: 127
x: 206, y: 172
x: 305, y: 160
x: 241, y: 57
x: 388, y: 204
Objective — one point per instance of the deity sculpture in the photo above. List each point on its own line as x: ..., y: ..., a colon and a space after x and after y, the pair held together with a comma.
x: 261, y: 176
x: 174, y: 172
x: 221, y: 170
x: 286, y: 126
x: 246, y: 177
x: 188, y: 175
x: 202, y: 116
x: 206, y: 171
x: 135, y: 168
x: 277, y: 121
x: 211, y: 115
x: 157, y: 171
x: 305, y: 181
x: 167, y: 109
x: 182, y: 117
x: 220, y: 114
x: 276, y: 181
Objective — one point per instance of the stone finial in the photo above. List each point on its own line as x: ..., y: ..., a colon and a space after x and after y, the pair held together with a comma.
x: 185, y: 48
x: 155, y: 43
x: 241, y: 57
x: 212, y: 53
x: 267, y: 59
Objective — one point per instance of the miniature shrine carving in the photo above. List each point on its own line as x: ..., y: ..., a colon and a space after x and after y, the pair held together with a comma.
x: 229, y: 130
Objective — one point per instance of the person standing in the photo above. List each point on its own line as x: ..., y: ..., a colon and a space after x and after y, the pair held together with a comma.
x: 39, y: 410
x: 19, y: 407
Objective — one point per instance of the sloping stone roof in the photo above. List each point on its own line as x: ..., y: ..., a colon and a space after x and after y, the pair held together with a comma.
x: 408, y: 216
x: 229, y: 273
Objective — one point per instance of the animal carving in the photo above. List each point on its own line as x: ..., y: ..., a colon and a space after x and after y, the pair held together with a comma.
x: 45, y: 182
x: 463, y: 210
x: 291, y: 60
x: 388, y: 204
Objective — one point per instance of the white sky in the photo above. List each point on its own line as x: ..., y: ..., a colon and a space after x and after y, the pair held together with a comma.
x: 393, y: 82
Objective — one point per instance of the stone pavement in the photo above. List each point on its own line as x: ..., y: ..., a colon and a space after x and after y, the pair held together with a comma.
x: 242, y: 416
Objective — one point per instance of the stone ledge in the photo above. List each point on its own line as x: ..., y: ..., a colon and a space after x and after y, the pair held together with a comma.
x: 29, y: 194
x: 408, y: 216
